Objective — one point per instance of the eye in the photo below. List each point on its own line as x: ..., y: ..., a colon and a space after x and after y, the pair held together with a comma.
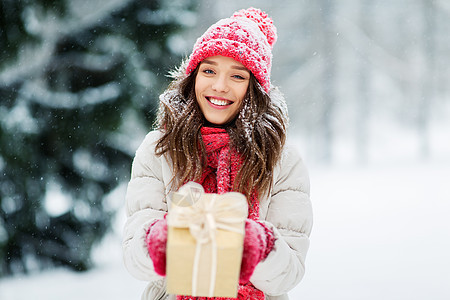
x: 239, y: 77
x: 208, y: 71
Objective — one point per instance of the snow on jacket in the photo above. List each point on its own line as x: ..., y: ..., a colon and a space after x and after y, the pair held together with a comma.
x: 287, y: 211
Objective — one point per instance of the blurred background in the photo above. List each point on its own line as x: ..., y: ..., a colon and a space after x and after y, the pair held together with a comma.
x: 367, y: 88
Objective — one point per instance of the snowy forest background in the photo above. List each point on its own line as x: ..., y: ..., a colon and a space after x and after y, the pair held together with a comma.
x: 367, y: 88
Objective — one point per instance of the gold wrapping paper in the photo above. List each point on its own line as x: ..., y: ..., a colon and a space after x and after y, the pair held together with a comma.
x: 205, y: 240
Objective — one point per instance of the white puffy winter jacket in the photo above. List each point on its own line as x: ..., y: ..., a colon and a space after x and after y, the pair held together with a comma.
x: 287, y: 211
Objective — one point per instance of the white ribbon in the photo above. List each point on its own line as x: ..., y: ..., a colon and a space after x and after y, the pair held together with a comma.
x: 203, y: 217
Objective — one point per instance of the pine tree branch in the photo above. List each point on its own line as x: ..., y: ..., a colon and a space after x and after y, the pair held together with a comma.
x: 33, y: 59
x: 35, y: 92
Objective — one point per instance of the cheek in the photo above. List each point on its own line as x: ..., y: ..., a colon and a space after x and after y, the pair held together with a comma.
x: 200, y: 87
x: 198, y: 83
x: 242, y: 93
x: 241, y: 102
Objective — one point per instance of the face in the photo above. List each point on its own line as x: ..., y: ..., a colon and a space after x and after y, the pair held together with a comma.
x: 220, y: 88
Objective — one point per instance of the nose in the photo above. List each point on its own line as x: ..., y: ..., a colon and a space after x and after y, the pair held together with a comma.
x: 220, y: 84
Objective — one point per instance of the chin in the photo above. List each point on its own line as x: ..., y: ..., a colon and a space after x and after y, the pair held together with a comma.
x: 217, y: 123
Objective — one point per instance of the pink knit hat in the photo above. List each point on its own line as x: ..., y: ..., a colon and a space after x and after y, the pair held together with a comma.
x: 247, y: 37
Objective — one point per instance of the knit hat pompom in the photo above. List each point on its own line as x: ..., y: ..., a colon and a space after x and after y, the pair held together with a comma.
x: 264, y: 22
x: 247, y: 36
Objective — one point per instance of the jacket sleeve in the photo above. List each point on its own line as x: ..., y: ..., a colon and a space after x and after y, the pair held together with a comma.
x: 289, y: 214
x: 145, y: 202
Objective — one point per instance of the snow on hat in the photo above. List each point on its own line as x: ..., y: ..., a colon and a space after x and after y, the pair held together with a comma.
x: 247, y: 37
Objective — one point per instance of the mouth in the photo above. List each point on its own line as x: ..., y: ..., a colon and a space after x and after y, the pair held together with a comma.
x: 219, y: 102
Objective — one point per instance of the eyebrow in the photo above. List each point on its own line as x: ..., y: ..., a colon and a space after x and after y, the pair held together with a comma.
x: 236, y: 67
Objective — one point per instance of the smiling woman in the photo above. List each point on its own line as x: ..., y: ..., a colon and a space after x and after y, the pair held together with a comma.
x: 223, y: 125
x: 221, y: 84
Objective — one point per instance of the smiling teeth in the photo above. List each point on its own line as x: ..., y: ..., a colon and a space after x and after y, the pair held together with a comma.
x: 218, y: 102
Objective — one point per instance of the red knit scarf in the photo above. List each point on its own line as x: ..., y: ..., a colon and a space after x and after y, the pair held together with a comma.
x: 223, y: 166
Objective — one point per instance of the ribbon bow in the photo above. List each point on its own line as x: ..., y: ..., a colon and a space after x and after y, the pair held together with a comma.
x: 203, y: 214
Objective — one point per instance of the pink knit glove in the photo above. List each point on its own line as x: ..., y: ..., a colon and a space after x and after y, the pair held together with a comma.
x: 156, y: 241
x: 258, y: 242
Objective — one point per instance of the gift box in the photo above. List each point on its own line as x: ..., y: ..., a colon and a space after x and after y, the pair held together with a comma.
x: 204, y: 242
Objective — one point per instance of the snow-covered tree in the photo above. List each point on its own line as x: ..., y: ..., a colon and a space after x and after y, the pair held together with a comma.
x: 79, y: 86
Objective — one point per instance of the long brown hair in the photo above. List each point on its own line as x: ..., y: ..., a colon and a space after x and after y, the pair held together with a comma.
x: 258, y: 133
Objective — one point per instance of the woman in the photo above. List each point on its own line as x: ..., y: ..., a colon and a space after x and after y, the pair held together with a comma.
x: 222, y: 124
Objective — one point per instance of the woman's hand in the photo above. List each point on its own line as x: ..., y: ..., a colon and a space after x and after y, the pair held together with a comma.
x: 156, y: 241
x: 258, y: 242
